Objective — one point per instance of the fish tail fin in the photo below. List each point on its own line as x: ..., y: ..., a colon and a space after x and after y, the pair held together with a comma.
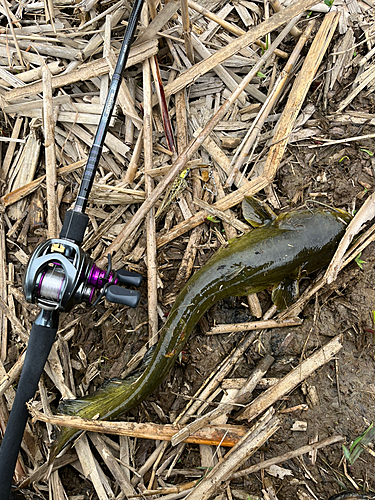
x: 87, y: 407
x: 94, y: 405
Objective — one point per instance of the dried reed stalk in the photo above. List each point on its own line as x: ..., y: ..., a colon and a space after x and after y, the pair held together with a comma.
x: 257, y: 124
x: 133, y: 164
x: 16, y: 323
x: 187, y: 30
x: 92, y: 469
x: 214, y: 380
x: 49, y: 148
x: 113, y: 465
x: 20, y: 193
x: 243, y: 450
x: 276, y: 5
x: 188, y: 259
x: 125, y: 99
x: 240, y: 398
x: 3, y: 293
x: 163, y: 104
x: 365, y: 213
x: 11, y: 27
x: 288, y: 456
x: 221, y: 72
x: 254, y: 325
x: 11, y: 148
x: 160, y: 20
x: 12, y: 375
x: 225, y: 435
x: 152, y: 298
x: 367, y: 78
x: 271, y: 24
x: 232, y: 28
x: 85, y: 72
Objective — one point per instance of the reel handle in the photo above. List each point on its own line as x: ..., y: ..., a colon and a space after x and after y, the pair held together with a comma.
x: 128, y: 278
x: 119, y: 295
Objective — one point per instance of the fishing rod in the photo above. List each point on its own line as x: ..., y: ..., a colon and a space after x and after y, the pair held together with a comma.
x: 60, y: 275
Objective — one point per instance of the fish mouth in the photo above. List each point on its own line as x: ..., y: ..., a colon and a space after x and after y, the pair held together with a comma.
x: 344, y: 216
x: 342, y: 212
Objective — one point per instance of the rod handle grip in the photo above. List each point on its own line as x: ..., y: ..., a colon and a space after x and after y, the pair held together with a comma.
x: 39, y: 346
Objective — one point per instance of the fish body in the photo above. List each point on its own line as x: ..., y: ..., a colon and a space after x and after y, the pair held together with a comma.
x: 288, y: 247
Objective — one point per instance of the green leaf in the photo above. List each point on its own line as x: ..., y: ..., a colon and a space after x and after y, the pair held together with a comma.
x: 344, y: 158
x: 370, y: 153
x: 211, y: 218
x: 359, y: 261
x: 329, y: 3
x: 260, y: 75
x: 357, y: 446
x: 346, y: 452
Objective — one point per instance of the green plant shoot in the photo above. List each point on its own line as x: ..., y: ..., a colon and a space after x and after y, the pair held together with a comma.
x: 359, y: 261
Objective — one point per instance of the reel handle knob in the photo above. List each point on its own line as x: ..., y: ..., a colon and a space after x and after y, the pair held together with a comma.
x: 128, y: 278
x: 118, y: 295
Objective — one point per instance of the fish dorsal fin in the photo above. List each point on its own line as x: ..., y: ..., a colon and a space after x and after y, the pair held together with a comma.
x: 256, y: 212
x: 285, y: 293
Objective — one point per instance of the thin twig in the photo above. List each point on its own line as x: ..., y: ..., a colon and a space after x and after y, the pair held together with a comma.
x: 149, y: 186
x: 49, y: 145
x: 254, y: 325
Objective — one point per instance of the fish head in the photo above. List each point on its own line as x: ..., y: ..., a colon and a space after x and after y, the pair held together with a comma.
x: 342, y: 215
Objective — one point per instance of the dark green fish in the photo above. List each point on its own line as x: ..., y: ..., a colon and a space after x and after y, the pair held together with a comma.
x: 278, y: 254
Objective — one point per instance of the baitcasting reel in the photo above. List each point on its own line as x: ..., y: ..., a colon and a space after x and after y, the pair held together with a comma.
x: 60, y: 274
